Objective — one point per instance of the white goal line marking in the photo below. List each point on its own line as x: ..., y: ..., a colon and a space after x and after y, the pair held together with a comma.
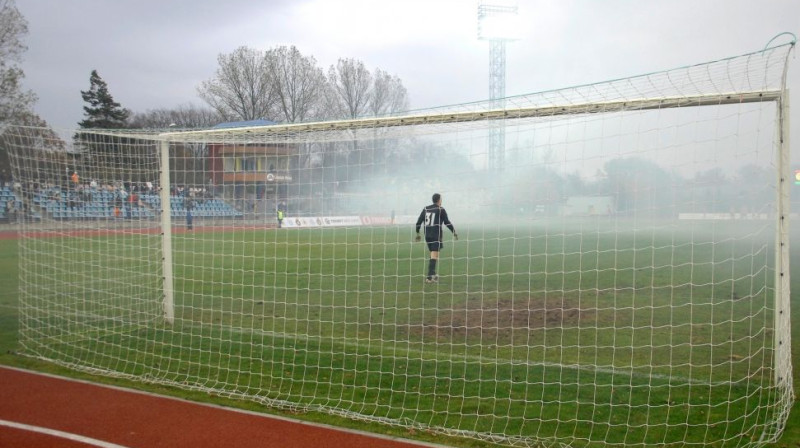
x: 361, y: 343
x: 61, y: 434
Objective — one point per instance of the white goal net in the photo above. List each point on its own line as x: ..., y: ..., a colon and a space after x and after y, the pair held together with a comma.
x: 621, y: 279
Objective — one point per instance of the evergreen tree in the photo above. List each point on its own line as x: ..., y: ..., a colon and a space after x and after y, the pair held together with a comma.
x: 102, y: 112
x: 108, y: 157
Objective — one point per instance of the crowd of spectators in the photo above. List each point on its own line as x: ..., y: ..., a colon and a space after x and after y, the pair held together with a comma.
x: 5, y: 179
x: 79, y: 197
x: 124, y: 198
x: 12, y: 208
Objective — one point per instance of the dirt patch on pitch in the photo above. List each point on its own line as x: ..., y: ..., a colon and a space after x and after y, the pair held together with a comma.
x: 505, y: 319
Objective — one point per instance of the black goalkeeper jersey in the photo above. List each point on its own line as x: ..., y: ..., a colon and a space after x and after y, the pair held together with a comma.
x: 434, y: 217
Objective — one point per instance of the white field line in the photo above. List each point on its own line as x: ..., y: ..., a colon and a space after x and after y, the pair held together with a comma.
x: 60, y: 434
x: 265, y: 415
x: 366, y: 343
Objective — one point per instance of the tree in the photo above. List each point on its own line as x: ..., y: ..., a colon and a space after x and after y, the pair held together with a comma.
x: 640, y: 185
x: 106, y: 158
x: 41, y: 136
x: 243, y: 87
x: 189, y: 159
x: 284, y: 85
x: 711, y: 191
x: 102, y: 112
x: 754, y: 187
x: 44, y: 151
x: 298, y: 83
x: 183, y: 117
x: 388, y: 94
x: 16, y: 104
x: 14, y: 101
x: 352, y: 84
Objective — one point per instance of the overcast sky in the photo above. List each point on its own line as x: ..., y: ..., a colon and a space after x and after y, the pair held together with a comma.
x: 154, y: 53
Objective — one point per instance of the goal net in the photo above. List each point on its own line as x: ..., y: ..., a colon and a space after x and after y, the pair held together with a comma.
x: 621, y: 275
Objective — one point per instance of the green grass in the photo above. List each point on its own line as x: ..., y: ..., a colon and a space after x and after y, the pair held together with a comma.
x: 586, y: 333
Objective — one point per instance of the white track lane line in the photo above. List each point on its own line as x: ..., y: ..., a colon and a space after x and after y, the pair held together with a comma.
x: 61, y: 434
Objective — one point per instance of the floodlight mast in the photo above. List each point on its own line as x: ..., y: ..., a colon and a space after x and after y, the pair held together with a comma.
x: 493, y: 25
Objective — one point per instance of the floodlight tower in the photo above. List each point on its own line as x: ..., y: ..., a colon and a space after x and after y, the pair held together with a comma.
x: 497, y: 23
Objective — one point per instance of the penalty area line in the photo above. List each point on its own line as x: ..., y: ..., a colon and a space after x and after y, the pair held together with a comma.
x: 60, y: 434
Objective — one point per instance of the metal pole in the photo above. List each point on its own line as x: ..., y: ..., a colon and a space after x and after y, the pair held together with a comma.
x: 783, y: 359
x: 166, y: 235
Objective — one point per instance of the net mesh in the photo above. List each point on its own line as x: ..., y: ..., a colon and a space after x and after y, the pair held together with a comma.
x: 615, y: 284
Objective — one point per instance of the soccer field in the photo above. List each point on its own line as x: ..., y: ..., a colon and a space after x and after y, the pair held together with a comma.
x: 622, y: 274
x: 579, y: 331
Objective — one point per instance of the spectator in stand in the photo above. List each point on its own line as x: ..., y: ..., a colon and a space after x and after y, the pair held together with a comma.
x: 71, y: 201
x: 76, y: 180
x: 188, y: 203
x: 8, y: 209
x: 125, y: 202
x: 117, y: 204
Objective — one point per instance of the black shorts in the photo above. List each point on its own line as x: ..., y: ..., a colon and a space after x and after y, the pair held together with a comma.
x: 435, y: 246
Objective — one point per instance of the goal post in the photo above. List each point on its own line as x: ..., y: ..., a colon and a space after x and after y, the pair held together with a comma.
x: 166, y: 232
x: 783, y: 356
x: 623, y: 281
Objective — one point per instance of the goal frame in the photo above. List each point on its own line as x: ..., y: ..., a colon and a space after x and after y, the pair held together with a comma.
x: 781, y: 97
x: 625, y: 281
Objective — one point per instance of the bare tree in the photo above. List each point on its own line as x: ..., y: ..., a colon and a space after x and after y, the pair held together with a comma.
x: 299, y: 84
x: 352, y: 84
x: 186, y: 116
x: 16, y: 104
x: 388, y: 94
x: 243, y: 87
x: 14, y: 101
x: 45, y: 138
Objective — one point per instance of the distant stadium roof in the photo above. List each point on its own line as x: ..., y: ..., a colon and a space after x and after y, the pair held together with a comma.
x: 243, y: 124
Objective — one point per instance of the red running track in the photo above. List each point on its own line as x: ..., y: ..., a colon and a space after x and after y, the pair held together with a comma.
x: 43, y: 411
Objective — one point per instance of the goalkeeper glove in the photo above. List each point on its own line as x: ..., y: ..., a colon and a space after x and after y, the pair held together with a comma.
x: 418, y: 238
x: 455, y: 236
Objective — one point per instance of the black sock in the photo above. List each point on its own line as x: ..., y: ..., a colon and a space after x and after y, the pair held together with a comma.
x: 432, y: 267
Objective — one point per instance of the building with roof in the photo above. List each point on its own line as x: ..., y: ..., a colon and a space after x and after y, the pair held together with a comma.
x: 248, y: 170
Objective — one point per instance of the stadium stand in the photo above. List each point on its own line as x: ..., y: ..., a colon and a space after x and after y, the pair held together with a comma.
x: 201, y: 207
x: 13, y: 208
x: 94, y: 204
x: 88, y: 204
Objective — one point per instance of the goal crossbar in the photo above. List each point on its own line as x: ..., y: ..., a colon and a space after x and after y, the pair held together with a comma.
x: 485, y: 115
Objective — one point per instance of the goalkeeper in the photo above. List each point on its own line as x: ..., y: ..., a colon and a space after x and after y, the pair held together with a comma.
x: 434, y: 217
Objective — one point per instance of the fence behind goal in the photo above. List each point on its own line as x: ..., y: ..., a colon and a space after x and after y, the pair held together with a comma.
x: 622, y: 281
